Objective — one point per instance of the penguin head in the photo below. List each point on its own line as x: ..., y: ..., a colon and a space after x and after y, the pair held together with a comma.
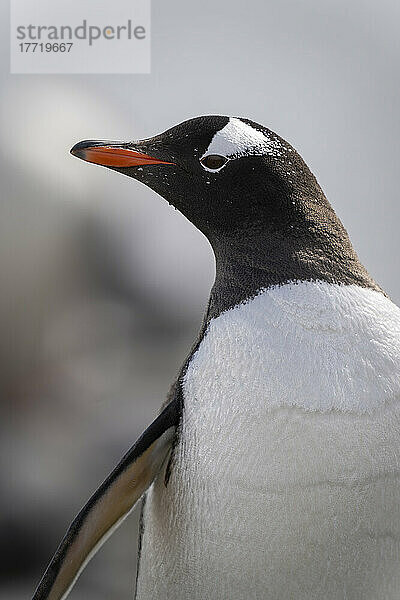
x: 222, y: 173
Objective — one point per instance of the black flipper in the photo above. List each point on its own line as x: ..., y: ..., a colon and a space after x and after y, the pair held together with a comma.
x: 109, y: 505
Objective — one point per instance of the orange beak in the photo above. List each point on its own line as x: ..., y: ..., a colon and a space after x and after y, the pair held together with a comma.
x: 112, y: 154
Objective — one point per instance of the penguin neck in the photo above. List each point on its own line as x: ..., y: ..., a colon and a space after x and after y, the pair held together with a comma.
x: 255, y: 259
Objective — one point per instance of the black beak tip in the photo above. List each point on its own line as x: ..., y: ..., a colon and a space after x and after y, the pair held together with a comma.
x: 80, y: 148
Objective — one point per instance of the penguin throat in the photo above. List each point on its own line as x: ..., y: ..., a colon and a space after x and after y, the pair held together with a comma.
x: 247, y: 264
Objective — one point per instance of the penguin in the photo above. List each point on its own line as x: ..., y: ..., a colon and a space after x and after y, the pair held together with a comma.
x: 273, y: 469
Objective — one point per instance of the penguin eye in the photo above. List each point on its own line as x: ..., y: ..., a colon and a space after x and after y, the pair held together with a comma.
x: 213, y: 162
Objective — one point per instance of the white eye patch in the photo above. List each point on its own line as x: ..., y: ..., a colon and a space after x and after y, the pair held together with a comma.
x: 238, y: 139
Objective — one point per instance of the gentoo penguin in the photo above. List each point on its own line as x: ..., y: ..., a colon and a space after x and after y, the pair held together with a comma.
x: 273, y: 470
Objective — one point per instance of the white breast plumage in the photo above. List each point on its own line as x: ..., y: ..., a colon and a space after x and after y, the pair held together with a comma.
x: 285, y: 481
x: 316, y: 346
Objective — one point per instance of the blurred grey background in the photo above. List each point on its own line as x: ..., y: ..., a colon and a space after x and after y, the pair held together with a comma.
x: 103, y: 285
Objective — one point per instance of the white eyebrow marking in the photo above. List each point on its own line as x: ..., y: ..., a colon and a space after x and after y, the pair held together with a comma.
x: 238, y: 138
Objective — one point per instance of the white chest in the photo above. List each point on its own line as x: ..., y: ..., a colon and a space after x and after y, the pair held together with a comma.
x: 285, y: 483
x: 314, y: 346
